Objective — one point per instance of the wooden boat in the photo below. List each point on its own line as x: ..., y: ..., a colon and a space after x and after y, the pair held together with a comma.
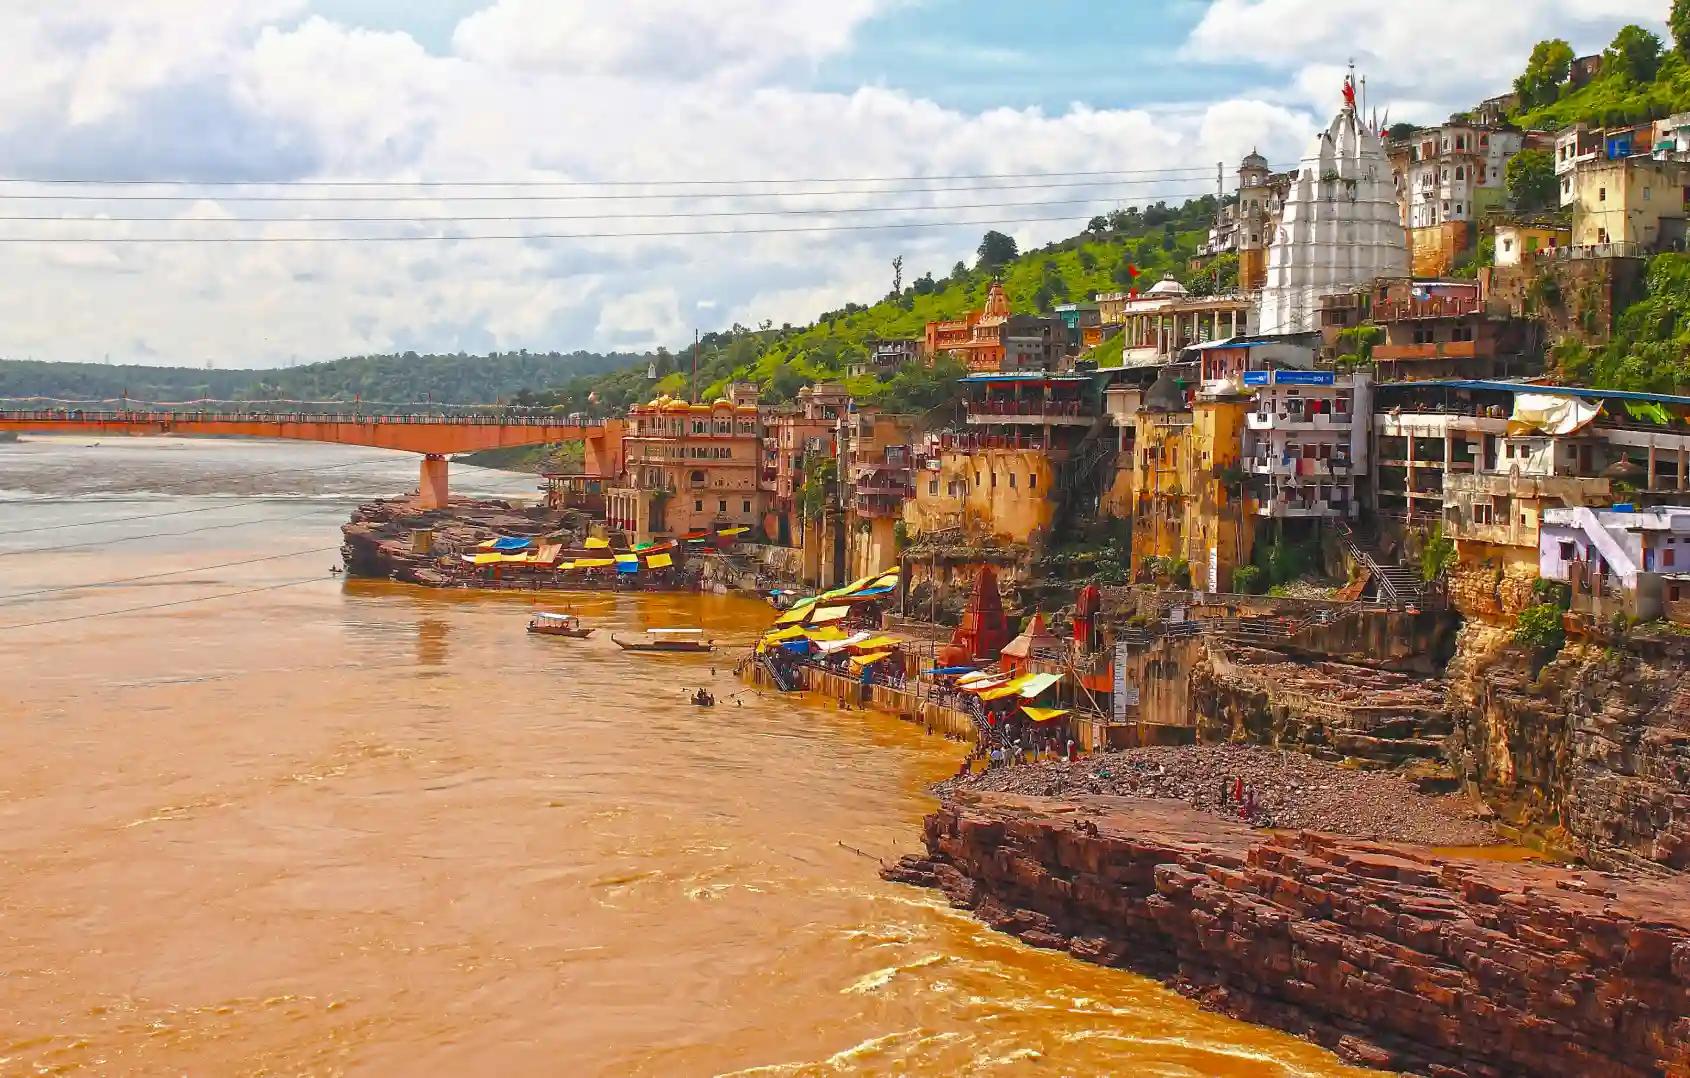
x: 668, y: 640
x: 553, y: 624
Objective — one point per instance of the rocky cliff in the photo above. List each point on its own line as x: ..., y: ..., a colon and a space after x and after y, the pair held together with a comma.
x: 1391, y: 956
x: 1587, y: 750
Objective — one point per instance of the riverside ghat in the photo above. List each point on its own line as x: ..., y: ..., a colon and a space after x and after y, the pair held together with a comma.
x: 1364, y: 907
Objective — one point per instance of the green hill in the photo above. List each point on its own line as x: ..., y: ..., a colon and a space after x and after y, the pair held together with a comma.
x: 1157, y: 240
x: 406, y: 377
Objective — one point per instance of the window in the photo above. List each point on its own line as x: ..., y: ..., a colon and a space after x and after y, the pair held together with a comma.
x: 1032, y: 481
x: 1460, y: 173
x: 933, y: 486
x: 698, y: 505
x: 1601, y: 194
x: 747, y: 508
x: 994, y: 480
x: 722, y: 506
x: 1011, y: 480
x: 1669, y: 556
x: 1569, y: 552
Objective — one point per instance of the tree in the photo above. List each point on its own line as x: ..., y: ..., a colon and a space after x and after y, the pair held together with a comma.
x: 1121, y: 220
x: 1401, y: 132
x: 1099, y: 223
x: 959, y: 272
x: 1550, y: 64
x: 1635, y: 55
x: 1679, y: 22
x: 1531, y: 180
x: 1087, y: 260
x: 1170, y: 239
x: 996, y: 250
x: 925, y: 284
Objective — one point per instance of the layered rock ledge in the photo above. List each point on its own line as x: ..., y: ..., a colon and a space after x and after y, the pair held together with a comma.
x: 1393, y: 956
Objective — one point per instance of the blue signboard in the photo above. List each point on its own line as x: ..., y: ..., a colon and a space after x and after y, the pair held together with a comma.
x: 1304, y: 378
x: 1255, y: 378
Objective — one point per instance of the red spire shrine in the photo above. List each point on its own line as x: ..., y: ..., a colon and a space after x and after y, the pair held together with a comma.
x: 984, y: 630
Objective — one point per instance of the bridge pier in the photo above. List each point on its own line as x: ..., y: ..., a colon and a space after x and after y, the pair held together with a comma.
x: 431, y: 486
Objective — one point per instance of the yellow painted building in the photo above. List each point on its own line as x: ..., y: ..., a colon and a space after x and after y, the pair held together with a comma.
x: 1184, y: 489
x: 1636, y: 200
x: 1002, y: 493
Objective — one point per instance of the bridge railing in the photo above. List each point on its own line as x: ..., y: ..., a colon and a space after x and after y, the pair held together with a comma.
x: 76, y: 415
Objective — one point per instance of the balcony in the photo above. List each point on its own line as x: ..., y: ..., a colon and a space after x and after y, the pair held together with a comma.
x: 1268, y: 421
x: 1389, y: 353
x: 1033, y: 413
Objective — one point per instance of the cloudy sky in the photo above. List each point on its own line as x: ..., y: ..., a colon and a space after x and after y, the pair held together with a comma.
x: 624, y: 100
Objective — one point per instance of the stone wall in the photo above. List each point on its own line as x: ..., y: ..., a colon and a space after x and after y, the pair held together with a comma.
x: 1586, y: 296
x: 1389, y: 956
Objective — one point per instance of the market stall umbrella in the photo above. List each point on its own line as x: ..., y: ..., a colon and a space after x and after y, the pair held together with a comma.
x: 659, y: 561
x: 862, y: 661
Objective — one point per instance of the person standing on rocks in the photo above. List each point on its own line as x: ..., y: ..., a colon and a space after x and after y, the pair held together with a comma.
x: 1226, y: 786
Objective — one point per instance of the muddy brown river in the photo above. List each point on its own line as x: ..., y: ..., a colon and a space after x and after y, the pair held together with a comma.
x: 340, y: 827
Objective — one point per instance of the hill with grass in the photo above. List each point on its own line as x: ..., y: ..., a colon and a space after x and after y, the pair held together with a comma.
x: 1641, y: 79
x: 1157, y: 240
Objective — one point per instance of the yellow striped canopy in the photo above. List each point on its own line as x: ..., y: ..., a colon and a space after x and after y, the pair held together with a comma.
x: 1008, y: 688
x: 1038, y: 683
x: 829, y: 614
x: 878, y: 643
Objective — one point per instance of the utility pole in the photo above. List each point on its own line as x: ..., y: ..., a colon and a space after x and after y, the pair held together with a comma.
x: 1220, y: 192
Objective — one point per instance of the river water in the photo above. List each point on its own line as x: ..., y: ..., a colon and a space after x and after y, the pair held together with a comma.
x: 344, y: 827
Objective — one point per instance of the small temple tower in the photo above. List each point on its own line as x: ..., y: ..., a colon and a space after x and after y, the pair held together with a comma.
x: 1341, y: 227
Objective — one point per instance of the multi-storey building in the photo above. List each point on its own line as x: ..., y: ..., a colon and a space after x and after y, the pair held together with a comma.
x: 1447, y: 178
x: 1189, y: 498
x: 877, y: 449
x: 975, y: 339
x: 1084, y: 322
x: 1492, y: 458
x: 1306, y: 442
x: 1629, y: 204
x: 792, y: 437
x: 1246, y: 226
x: 1574, y: 146
x: 1625, y: 560
x: 1031, y: 343
x: 690, y: 468
x: 1000, y: 475
x: 1443, y: 329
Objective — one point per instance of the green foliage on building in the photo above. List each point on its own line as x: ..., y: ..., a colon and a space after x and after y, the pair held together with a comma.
x: 1539, y: 627
x: 1650, y: 347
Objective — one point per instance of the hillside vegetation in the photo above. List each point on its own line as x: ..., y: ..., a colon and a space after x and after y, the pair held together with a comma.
x: 1157, y: 240
x: 1650, y: 348
x: 1640, y: 80
x: 403, y: 377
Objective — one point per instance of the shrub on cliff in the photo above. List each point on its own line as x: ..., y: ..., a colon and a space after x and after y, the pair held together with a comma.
x: 1539, y: 628
x: 1247, y: 579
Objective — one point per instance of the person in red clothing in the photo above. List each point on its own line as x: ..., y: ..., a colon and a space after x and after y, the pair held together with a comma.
x: 1238, y: 789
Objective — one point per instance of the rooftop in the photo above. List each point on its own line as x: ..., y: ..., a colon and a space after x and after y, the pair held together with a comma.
x: 1583, y: 392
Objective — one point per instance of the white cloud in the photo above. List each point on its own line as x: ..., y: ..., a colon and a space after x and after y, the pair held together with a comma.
x: 1450, y: 52
x: 665, y: 89
x: 660, y: 39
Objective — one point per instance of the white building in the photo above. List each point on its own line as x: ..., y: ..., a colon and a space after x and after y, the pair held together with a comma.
x: 1457, y: 172
x: 1340, y: 230
x: 1307, y: 439
x: 1639, y: 557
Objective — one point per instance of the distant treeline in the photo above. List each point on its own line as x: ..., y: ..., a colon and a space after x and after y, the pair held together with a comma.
x: 402, y: 377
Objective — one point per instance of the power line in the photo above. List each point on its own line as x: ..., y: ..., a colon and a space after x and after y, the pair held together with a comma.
x: 8, y: 598
x: 669, y: 195
x: 83, y: 181
x: 782, y: 212
x: 159, y: 606
x: 651, y: 234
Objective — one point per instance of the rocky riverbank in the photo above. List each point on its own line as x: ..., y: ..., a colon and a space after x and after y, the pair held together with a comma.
x: 1390, y: 955
x: 379, y: 540
x: 1291, y: 790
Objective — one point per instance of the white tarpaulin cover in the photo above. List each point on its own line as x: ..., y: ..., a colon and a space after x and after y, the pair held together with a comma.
x: 1539, y: 413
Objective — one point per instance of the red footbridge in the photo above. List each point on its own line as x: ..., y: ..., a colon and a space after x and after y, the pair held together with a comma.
x: 432, y: 436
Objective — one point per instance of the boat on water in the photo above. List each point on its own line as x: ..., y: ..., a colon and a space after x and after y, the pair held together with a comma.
x: 547, y: 623
x: 668, y: 640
